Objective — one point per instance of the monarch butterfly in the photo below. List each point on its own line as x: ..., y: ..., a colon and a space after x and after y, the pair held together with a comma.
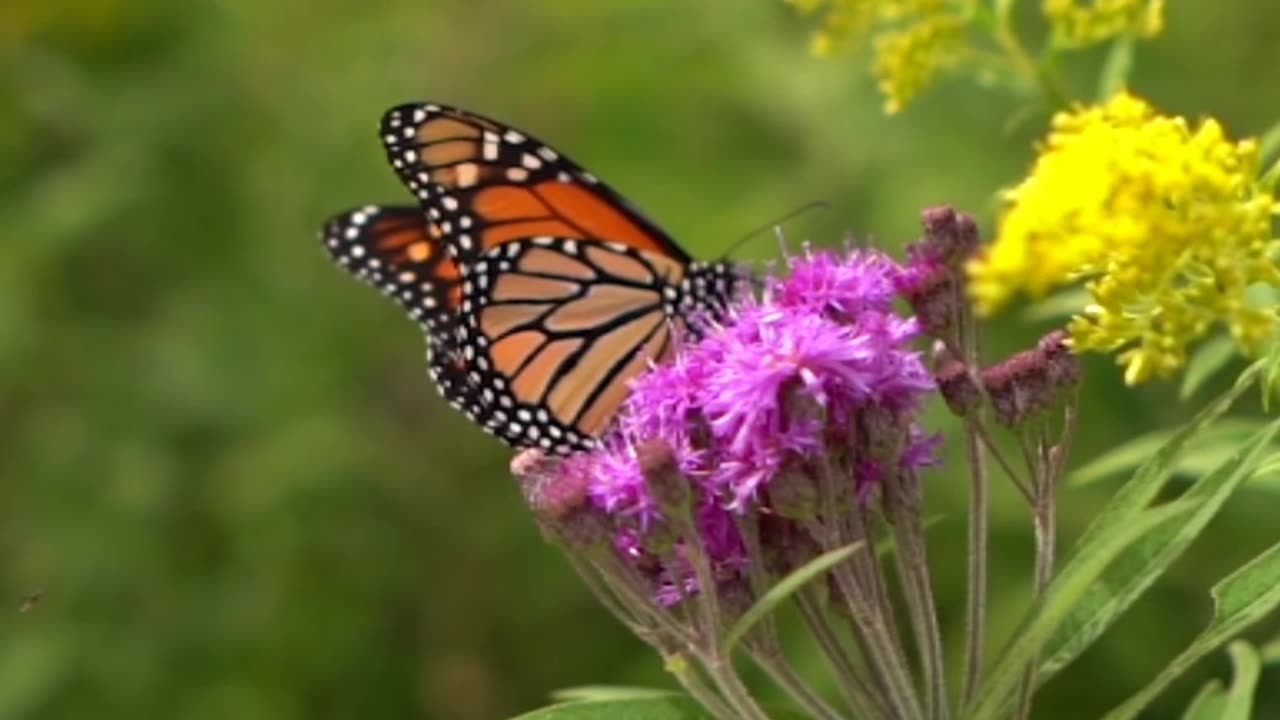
x: 541, y: 291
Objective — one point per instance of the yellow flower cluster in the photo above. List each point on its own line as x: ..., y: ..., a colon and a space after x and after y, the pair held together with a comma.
x: 914, y: 40
x: 1167, y: 223
x: 1078, y: 23
x: 843, y: 22
x: 908, y: 60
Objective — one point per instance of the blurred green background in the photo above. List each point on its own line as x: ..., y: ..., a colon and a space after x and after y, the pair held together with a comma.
x: 221, y: 463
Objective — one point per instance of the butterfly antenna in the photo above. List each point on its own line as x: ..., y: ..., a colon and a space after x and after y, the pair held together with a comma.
x: 776, y: 223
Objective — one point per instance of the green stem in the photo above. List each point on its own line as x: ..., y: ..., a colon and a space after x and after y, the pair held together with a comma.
x: 976, y: 601
x: 865, y: 700
x: 688, y: 677
x: 1004, y: 464
x: 794, y: 685
x: 726, y: 678
x: 883, y: 652
x: 718, y: 665
x: 914, y: 571
x: 1021, y: 61
x: 1044, y: 472
x: 1046, y: 531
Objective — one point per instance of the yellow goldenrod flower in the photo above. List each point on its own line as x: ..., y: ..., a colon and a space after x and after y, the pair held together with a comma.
x: 908, y: 60
x: 1078, y: 23
x: 1167, y: 223
x: 914, y: 40
x: 844, y: 23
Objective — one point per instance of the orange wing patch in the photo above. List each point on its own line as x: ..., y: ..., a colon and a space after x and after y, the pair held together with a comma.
x: 505, y: 233
x: 448, y: 152
x: 505, y: 202
x: 512, y: 351
x: 526, y: 288
x: 446, y: 128
x: 584, y: 208
x: 597, y: 417
x: 534, y: 380
x: 598, y: 305
x: 573, y: 390
x: 498, y: 320
x: 548, y: 262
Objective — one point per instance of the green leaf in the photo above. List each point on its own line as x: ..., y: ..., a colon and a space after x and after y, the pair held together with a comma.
x: 1269, y: 145
x: 1202, y: 453
x: 609, y: 692
x: 1145, y: 561
x: 1116, y: 69
x: 1247, y: 594
x: 1057, y: 306
x: 1240, y: 599
x: 1151, y: 477
x: 1267, y: 476
x: 1246, y: 668
x: 665, y: 708
x: 1046, y: 615
x: 786, y: 587
x: 1206, y: 361
x: 1269, y: 367
x: 1213, y: 702
x: 1271, y: 652
x: 1208, y: 704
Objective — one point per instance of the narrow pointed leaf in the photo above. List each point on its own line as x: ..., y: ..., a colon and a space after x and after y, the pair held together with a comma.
x: 609, y: 692
x: 1141, y: 564
x: 1240, y: 599
x: 1151, y: 477
x: 1217, y: 440
x: 666, y: 708
x: 1205, y: 362
x: 1208, y: 703
x: 1045, y: 616
x: 1246, y: 667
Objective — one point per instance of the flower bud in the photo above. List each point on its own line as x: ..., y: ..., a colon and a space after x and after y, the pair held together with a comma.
x: 1032, y: 381
x: 1064, y: 365
x: 958, y: 387
x: 932, y: 294
x: 667, y: 485
x: 950, y: 238
x: 557, y: 492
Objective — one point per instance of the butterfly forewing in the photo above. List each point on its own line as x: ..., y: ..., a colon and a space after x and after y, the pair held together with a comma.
x: 487, y: 184
x: 543, y: 293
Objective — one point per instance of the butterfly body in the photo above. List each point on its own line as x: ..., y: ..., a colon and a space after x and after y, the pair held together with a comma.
x: 541, y: 291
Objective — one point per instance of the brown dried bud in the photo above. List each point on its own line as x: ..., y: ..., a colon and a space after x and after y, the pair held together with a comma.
x: 1032, y: 381
x: 1064, y: 366
x: 949, y: 237
x: 934, y: 297
x: 958, y: 387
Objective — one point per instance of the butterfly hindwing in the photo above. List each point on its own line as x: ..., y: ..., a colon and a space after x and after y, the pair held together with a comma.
x: 391, y: 248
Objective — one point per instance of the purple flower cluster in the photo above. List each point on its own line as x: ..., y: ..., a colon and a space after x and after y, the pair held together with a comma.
x: 821, y: 365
